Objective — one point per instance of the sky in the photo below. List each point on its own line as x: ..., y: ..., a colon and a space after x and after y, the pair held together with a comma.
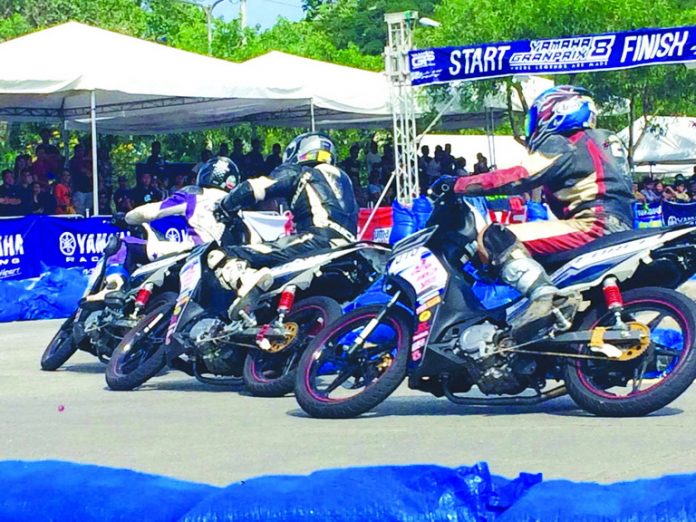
x: 261, y: 12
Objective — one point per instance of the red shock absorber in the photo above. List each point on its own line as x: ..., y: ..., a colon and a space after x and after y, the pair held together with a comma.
x: 287, y: 299
x: 612, y: 293
x: 143, y: 296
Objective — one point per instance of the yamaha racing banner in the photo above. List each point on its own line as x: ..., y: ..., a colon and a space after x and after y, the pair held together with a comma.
x: 678, y: 213
x: 30, y: 245
x: 601, y: 52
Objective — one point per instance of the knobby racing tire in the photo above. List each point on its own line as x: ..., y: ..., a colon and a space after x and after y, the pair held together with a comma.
x: 269, y: 374
x: 61, y: 347
x: 581, y: 376
x: 141, y: 354
x: 325, y: 354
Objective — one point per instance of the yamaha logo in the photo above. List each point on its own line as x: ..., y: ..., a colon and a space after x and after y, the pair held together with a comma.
x: 67, y: 243
x: 172, y: 234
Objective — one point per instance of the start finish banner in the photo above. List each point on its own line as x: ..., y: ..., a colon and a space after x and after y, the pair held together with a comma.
x: 30, y: 245
x: 600, y: 52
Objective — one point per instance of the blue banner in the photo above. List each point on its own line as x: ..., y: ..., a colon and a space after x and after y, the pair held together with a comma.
x: 678, y: 213
x: 31, y: 244
x: 647, y: 215
x: 602, y: 52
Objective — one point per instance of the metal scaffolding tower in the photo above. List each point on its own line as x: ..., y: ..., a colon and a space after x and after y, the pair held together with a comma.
x: 400, y: 31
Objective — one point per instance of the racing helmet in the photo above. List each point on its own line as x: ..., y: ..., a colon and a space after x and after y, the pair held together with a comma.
x: 557, y: 110
x: 310, y: 148
x: 218, y: 172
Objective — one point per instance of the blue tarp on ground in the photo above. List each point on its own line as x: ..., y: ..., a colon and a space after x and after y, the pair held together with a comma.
x: 51, y: 490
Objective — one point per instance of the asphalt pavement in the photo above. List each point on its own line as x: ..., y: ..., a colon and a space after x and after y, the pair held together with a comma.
x: 178, y: 427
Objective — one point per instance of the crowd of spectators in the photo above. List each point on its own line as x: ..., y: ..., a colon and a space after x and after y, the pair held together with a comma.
x: 680, y: 190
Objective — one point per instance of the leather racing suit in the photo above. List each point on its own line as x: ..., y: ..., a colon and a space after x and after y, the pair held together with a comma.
x: 587, y: 185
x: 321, y: 200
x: 194, y: 203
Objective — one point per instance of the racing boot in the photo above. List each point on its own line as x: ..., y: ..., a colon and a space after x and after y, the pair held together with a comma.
x: 529, y: 278
x: 235, y: 274
x: 114, y: 283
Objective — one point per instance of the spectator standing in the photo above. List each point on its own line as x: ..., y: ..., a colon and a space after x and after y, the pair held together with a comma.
x: 373, y: 159
x: 253, y: 162
x: 20, y: 164
x: 63, y: 194
x: 351, y: 165
x: 144, y: 192
x: 10, y: 197
x: 82, y: 189
x: 481, y: 164
x: 447, y: 160
x: 121, y: 195
x: 274, y: 158
x: 41, y: 202
x: 460, y: 167
x: 42, y: 166
x: 224, y: 150
x: 206, y: 154
x: 238, y: 156
x: 374, y: 187
x: 637, y: 194
x: 25, y: 179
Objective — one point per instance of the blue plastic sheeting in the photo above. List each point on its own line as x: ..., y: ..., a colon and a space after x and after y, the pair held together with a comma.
x: 50, y: 490
x: 53, y: 295
x: 406, y: 493
x: 671, y: 498
x: 38, y: 491
x: 58, y: 491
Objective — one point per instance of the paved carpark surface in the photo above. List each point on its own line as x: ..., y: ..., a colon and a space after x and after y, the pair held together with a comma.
x: 178, y: 427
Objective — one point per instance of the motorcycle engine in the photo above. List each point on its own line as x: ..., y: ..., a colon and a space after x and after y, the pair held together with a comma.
x: 213, y: 351
x: 503, y: 373
x: 477, y: 340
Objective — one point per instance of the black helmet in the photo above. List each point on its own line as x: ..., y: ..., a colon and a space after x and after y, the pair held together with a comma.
x: 218, y: 172
x: 310, y: 148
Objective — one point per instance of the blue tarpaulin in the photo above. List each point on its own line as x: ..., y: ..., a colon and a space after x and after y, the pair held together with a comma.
x: 58, y: 491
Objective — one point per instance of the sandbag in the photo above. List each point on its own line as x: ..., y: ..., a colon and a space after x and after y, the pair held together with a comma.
x: 57, y: 491
x: 647, y: 500
x: 53, y: 295
x: 389, y: 493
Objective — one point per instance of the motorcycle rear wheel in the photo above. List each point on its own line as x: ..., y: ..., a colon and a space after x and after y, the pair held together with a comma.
x: 273, y: 374
x: 596, y: 386
x: 373, y: 372
x: 141, y: 354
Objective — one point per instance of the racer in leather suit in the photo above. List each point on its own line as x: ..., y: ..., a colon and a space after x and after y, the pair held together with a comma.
x: 584, y: 175
x: 321, y: 200
x: 195, y: 203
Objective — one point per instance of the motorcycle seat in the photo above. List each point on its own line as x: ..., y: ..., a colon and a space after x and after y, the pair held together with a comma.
x: 553, y: 261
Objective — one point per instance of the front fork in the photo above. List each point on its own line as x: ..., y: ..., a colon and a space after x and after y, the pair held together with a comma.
x: 374, y: 322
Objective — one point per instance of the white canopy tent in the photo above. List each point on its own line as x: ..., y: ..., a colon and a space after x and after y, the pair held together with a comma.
x: 668, y: 145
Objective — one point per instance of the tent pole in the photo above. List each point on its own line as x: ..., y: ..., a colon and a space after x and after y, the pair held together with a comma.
x: 311, y: 114
x: 95, y: 181
x: 66, y: 145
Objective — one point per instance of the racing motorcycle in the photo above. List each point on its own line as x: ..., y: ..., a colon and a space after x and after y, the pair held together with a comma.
x: 98, y: 327
x: 445, y: 325
x: 263, y: 348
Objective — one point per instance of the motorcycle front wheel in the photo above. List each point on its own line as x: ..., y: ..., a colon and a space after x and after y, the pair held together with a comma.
x: 141, y: 354
x: 652, y: 380
x: 268, y: 374
x: 333, y: 383
x: 61, y: 347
